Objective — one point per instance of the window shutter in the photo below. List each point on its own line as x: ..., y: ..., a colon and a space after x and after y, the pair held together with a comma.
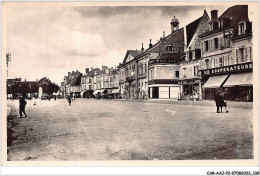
x: 220, y: 43
x: 202, y: 46
x: 246, y: 56
x: 250, y: 53
x: 212, y: 62
x: 236, y: 61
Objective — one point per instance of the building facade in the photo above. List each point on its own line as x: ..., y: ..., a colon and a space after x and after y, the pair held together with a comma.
x: 227, y: 55
x: 190, y: 81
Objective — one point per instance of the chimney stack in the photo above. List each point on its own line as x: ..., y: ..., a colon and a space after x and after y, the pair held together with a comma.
x: 150, y: 45
x: 142, y: 49
x: 87, y: 70
x: 163, y: 34
x: 69, y: 74
x: 214, y: 14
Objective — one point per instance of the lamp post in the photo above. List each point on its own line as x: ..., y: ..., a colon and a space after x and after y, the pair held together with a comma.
x: 8, y: 59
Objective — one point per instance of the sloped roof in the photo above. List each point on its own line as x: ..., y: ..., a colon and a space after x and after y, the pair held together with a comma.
x: 92, y: 72
x: 134, y: 53
x: 235, y: 14
x: 171, y: 56
x: 191, y: 29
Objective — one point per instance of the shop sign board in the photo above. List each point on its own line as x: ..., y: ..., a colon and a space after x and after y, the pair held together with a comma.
x: 174, y: 92
x: 227, y: 69
x: 163, y: 92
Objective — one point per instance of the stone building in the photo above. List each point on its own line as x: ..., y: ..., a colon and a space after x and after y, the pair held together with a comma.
x: 127, y: 75
x: 227, y: 55
x: 190, y: 81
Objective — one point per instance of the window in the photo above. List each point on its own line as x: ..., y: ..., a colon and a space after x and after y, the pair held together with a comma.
x: 241, y: 28
x: 190, y: 55
x: 196, y: 69
x: 220, y: 64
x: 236, y: 61
x: 197, y: 53
x: 89, y: 87
x: 184, y: 73
x: 241, y: 55
x: 206, y: 44
x: 177, y: 74
x: 226, y: 61
x: 215, y: 43
x: 89, y: 80
x: 207, y: 64
x: 151, y: 76
x: 246, y: 55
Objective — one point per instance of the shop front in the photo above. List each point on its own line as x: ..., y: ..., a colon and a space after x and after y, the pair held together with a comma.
x: 164, y: 92
x: 235, y: 80
x: 191, y: 89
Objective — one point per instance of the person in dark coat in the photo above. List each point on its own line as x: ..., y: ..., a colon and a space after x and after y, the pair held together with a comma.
x: 22, y: 104
x: 218, y: 101
x: 223, y: 101
x: 69, y: 100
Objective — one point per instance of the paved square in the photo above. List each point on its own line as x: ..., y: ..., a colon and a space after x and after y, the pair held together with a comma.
x: 127, y: 130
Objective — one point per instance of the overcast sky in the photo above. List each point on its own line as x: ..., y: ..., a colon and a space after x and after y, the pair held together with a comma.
x: 50, y: 40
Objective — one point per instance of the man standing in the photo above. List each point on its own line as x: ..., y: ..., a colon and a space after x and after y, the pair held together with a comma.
x: 217, y: 99
x: 22, y: 103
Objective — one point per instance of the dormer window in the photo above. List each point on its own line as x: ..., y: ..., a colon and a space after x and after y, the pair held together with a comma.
x: 169, y: 48
x: 241, y: 28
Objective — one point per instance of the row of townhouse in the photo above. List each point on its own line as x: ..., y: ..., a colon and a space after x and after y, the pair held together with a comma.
x: 94, y: 83
x: 195, y: 61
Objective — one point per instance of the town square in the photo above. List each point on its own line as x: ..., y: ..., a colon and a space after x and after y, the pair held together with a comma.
x: 111, y: 83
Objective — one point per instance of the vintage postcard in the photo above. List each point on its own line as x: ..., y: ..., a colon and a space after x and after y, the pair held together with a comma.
x: 129, y: 84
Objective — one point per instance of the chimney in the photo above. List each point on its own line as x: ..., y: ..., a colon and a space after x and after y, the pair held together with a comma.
x: 69, y: 74
x: 87, y: 70
x: 163, y: 34
x: 214, y: 14
x: 91, y: 68
x: 36, y: 80
x: 142, y: 49
x: 150, y: 45
x: 103, y: 67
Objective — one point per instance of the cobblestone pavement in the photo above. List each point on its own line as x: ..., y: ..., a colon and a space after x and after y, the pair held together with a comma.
x: 126, y: 130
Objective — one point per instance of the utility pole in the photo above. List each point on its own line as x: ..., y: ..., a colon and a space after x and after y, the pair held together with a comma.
x: 8, y: 59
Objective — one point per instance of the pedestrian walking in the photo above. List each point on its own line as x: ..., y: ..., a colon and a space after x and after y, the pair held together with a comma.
x: 22, y: 104
x: 69, y: 100
x: 217, y: 99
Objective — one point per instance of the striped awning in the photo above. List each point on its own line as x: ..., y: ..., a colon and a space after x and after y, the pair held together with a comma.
x: 215, y: 81
x: 239, y: 79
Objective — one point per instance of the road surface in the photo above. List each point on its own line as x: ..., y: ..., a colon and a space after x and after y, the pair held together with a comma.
x: 127, y: 130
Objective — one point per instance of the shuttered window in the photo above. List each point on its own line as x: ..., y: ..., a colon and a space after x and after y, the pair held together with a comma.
x: 250, y: 53
x: 236, y: 61
x: 220, y: 43
x: 246, y: 55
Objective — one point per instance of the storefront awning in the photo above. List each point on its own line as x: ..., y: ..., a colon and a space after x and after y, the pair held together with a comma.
x: 239, y: 79
x: 215, y: 81
x: 82, y: 92
x: 96, y: 92
x: 115, y: 91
